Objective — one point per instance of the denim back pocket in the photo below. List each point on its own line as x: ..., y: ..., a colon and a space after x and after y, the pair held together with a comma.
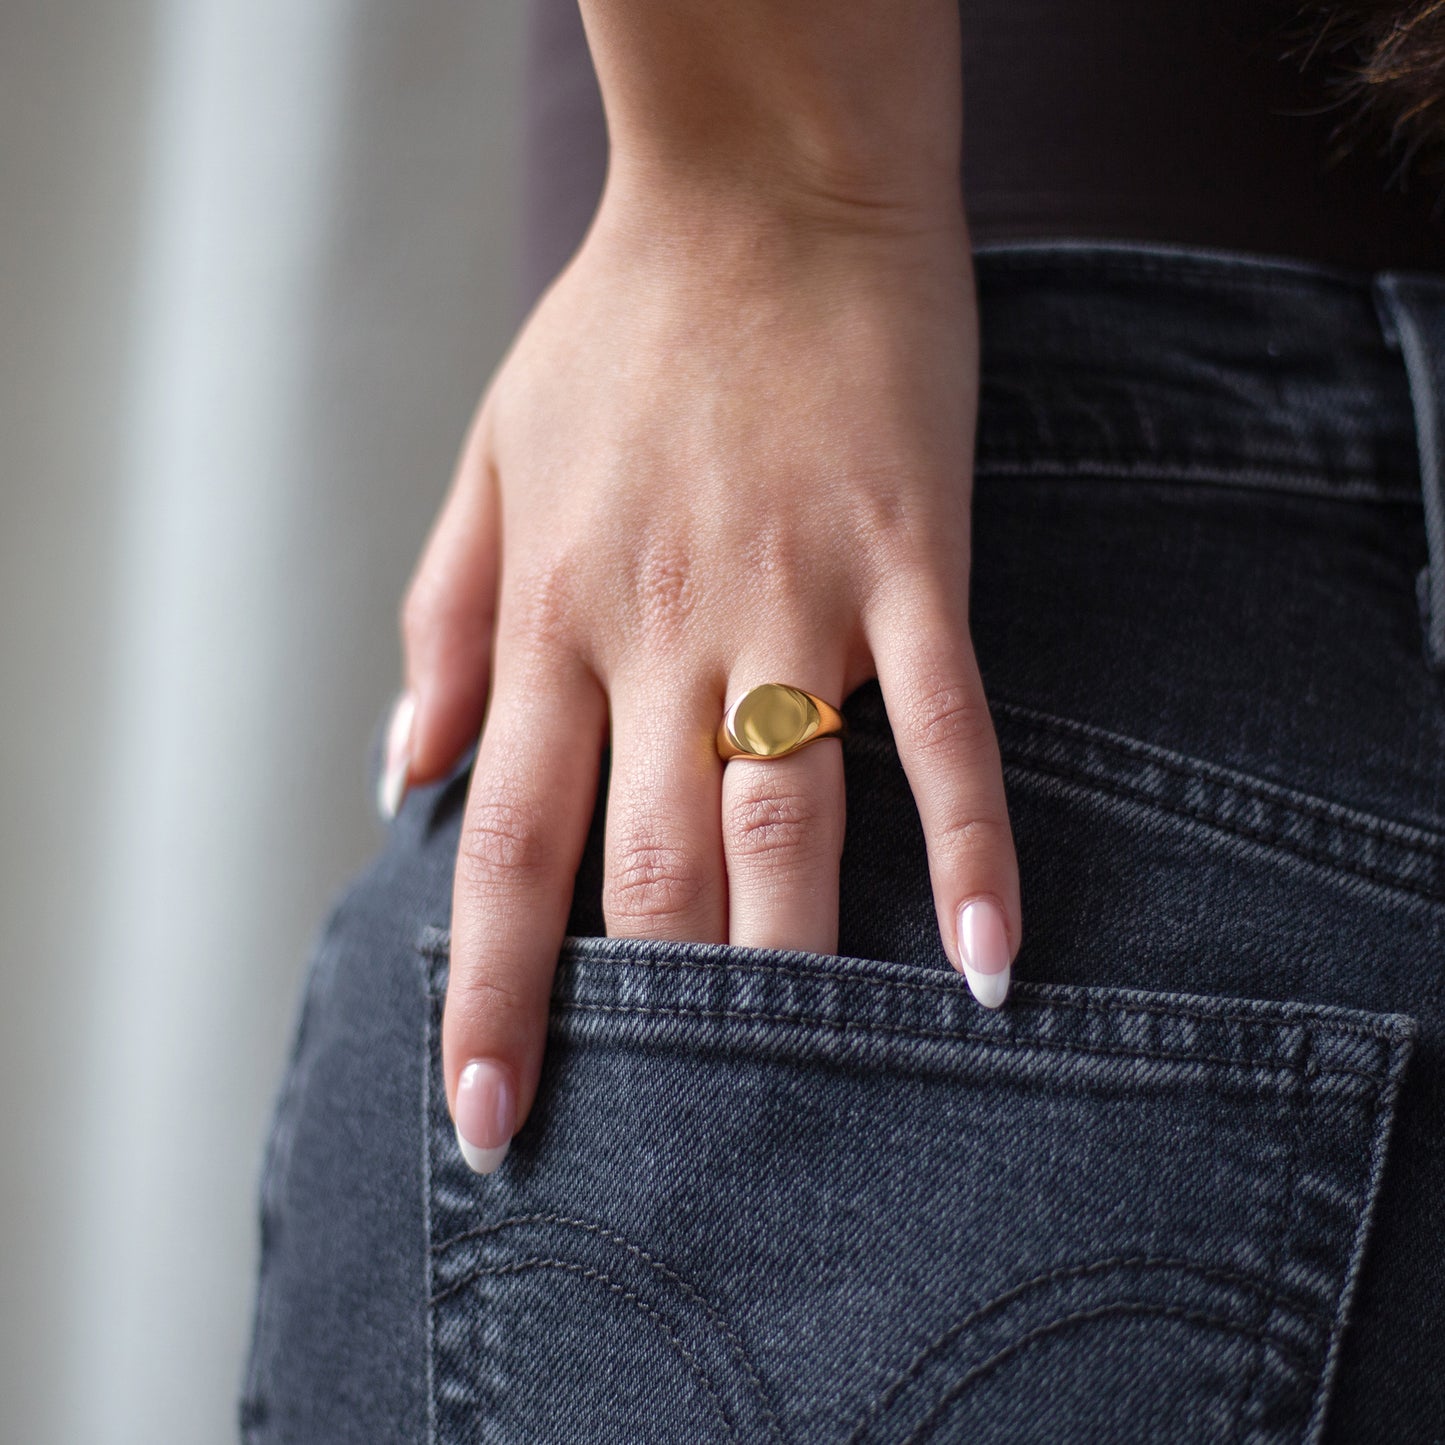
x: 769, y: 1196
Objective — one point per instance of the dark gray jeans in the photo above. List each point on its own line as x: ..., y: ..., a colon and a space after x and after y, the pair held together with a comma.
x: 1188, y: 1184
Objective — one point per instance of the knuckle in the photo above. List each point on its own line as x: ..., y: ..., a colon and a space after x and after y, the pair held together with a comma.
x: 439, y: 629
x: 435, y: 614
x: 781, y: 563
x: 482, y: 998
x: 665, y: 589
x: 953, y: 719
x: 543, y: 603
x: 773, y: 827
x: 502, y: 844
x: 975, y: 838
x: 424, y: 609
x: 909, y: 543
x: 652, y: 882
x: 891, y: 521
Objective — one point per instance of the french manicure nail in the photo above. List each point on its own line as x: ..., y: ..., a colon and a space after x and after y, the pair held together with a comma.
x: 485, y: 1115
x: 392, y: 788
x: 983, y: 949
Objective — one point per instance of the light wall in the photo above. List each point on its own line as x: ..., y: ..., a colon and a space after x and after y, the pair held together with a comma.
x: 257, y: 261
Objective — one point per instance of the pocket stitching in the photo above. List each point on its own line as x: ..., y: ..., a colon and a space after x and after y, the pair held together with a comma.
x: 689, y: 1289
x: 964, y: 1036
x: 1177, y: 1312
x: 1304, y: 1309
x: 597, y: 1276
x: 1285, y: 1230
x: 434, y: 944
x: 952, y: 986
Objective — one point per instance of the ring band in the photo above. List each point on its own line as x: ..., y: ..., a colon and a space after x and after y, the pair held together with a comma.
x: 772, y: 720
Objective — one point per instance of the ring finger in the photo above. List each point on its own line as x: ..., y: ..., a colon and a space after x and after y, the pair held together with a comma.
x: 783, y: 832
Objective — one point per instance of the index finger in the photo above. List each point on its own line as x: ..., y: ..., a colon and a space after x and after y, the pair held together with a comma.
x: 527, y: 814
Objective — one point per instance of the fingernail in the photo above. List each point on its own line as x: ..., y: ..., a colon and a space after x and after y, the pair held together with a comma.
x: 392, y: 788
x: 983, y: 948
x: 485, y: 1114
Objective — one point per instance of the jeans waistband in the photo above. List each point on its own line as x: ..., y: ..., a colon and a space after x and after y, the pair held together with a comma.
x: 1159, y: 362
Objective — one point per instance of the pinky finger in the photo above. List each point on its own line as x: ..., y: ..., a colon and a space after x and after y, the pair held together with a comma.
x: 447, y: 623
x: 946, y: 742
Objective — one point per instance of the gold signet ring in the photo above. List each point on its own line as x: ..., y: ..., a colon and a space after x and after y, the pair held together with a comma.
x: 773, y: 720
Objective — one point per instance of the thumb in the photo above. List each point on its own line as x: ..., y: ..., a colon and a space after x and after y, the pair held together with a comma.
x: 447, y: 621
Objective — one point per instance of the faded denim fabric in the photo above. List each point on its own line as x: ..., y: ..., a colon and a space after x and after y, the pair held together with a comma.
x: 1187, y: 1185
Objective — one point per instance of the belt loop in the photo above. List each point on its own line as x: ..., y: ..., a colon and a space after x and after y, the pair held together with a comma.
x: 1411, y: 307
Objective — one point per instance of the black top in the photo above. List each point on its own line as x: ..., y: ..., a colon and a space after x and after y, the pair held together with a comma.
x: 1138, y: 119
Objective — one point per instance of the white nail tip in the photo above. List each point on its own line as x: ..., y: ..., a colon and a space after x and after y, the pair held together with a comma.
x: 389, y: 791
x: 482, y: 1161
x: 392, y: 787
x: 990, y: 989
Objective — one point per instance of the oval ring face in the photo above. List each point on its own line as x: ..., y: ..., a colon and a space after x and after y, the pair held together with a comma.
x: 772, y: 720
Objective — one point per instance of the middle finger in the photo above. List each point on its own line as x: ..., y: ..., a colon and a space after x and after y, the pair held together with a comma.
x: 663, y: 872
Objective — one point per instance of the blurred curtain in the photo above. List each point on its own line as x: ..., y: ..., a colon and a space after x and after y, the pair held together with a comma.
x: 257, y: 262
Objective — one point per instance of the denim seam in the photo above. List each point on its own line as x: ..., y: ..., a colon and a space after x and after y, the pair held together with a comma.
x: 653, y: 1263
x: 1204, y: 259
x: 962, y: 1037
x: 1379, y: 1149
x: 630, y: 1296
x: 972, y: 1376
x: 1278, y: 279
x: 1422, y: 368
x: 1290, y: 1222
x: 1351, y: 487
x: 1023, y: 995
x: 254, y: 1409
x: 430, y: 1052
x: 1286, y: 1223
x: 1308, y: 1312
x: 953, y: 988
x: 1341, y: 821
x: 1271, y: 838
x: 1333, y: 815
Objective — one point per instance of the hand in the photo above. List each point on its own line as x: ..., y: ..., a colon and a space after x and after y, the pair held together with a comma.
x: 721, y: 451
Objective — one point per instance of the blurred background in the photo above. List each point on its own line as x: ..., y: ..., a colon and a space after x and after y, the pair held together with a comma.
x: 257, y: 262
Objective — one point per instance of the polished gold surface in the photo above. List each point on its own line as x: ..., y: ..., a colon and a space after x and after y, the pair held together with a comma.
x: 773, y: 720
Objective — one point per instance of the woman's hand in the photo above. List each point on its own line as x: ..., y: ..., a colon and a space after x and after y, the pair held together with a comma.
x: 724, y: 449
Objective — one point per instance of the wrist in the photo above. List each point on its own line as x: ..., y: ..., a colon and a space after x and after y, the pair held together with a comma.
x: 761, y: 200
x: 846, y: 117
x: 726, y: 241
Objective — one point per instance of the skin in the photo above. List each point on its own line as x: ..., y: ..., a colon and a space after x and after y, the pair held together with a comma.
x: 732, y: 443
